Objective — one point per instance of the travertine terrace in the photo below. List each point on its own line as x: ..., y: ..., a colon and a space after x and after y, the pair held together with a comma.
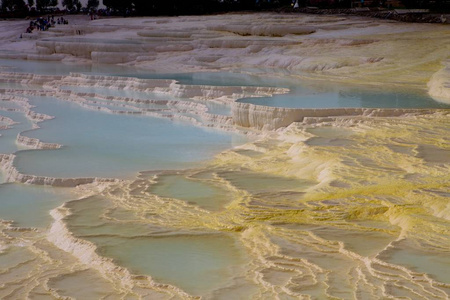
x: 318, y: 203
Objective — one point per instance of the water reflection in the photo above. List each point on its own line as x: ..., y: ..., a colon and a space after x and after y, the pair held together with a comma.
x: 341, y: 97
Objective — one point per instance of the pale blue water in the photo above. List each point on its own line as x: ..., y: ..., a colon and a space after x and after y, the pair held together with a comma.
x: 8, y: 137
x: 303, y: 94
x: 345, y: 97
x: 29, y: 205
x: 110, y: 145
x: 197, y: 264
x: 207, y: 78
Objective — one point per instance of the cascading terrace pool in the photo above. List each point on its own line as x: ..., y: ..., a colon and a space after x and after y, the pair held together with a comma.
x: 119, y: 183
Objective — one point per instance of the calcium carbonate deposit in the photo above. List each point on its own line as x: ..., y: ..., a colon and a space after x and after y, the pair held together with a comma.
x: 253, y: 156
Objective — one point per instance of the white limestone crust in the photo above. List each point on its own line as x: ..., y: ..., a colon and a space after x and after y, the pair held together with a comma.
x: 439, y: 84
x: 271, y: 118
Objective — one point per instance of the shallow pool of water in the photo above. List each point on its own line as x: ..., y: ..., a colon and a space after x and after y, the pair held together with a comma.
x: 304, y: 94
x: 330, y: 97
x: 279, y: 235
x: 8, y: 137
x: 203, y: 194
x: 111, y: 145
x: 29, y: 205
x: 198, y: 262
x: 433, y: 263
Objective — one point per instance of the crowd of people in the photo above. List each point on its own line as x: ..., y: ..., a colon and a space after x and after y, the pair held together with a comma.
x: 43, y: 24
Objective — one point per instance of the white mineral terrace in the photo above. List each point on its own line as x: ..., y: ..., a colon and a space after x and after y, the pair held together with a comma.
x: 335, y: 48
x: 315, y: 203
